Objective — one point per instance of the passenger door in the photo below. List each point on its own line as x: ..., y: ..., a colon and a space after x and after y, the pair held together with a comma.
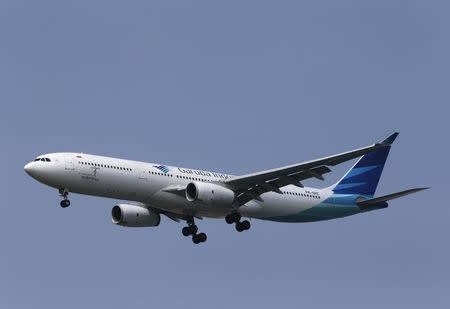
x: 69, y: 162
x: 142, y: 174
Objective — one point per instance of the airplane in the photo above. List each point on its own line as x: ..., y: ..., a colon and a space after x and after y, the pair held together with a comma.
x: 185, y: 194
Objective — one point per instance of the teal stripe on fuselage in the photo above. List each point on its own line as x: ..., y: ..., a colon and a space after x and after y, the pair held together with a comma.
x: 336, y: 206
x: 318, y: 213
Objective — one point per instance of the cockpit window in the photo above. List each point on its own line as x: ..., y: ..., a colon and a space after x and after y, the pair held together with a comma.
x: 42, y: 159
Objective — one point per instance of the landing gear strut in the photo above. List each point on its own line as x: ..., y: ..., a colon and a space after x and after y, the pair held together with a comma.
x: 65, y: 202
x: 235, y: 217
x: 192, y: 229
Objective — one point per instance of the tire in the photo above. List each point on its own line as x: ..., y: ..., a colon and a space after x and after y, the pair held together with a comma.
x: 245, y: 225
x: 229, y: 219
x: 65, y: 203
x: 202, y: 237
x: 193, y: 229
x: 186, y: 231
x: 239, y: 227
x: 236, y: 216
x: 195, y: 239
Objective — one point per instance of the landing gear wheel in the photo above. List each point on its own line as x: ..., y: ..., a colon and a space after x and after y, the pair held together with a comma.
x: 193, y: 229
x: 245, y: 225
x: 196, y: 239
x: 239, y: 227
x: 65, y: 203
x: 229, y: 219
x: 189, y: 230
x: 202, y: 237
x: 64, y: 193
x: 186, y: 231
x: 234, y: 217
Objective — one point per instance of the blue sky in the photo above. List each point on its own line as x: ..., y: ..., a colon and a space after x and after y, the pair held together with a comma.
x: 236, y: 87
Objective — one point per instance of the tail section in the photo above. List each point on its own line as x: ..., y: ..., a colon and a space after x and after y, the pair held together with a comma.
x: 364, y: 176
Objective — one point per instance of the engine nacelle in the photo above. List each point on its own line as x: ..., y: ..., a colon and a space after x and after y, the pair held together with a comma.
x: 134, y: 216
x: 209, y: 193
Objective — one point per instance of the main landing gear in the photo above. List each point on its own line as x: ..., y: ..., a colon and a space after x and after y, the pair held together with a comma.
x: 65, y: 202
x: 192, y: 229
x: 235, y: 217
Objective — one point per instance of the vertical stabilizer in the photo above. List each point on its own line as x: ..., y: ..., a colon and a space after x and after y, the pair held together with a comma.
x: 364, y: 176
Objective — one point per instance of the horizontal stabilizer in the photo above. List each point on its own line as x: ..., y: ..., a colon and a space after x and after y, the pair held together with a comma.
x: 385, y: 198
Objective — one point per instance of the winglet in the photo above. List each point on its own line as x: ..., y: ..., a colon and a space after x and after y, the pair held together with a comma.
x: 390, y: 139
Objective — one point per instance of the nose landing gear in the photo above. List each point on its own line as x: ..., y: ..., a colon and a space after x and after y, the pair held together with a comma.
x: 235, y: 217
x: 192, y: 229
x: 65, y: 202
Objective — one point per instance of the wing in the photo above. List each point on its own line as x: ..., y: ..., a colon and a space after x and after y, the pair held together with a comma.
x: 251, y: 186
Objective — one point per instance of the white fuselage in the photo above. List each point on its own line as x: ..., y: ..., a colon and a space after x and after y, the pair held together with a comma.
x: 147, y: 183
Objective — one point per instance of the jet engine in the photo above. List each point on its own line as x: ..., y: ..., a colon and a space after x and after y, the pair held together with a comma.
x: 134, y: 216
x: 209, y: 193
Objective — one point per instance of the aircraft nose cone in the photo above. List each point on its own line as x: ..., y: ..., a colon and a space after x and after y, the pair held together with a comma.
x: 28, y: 168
